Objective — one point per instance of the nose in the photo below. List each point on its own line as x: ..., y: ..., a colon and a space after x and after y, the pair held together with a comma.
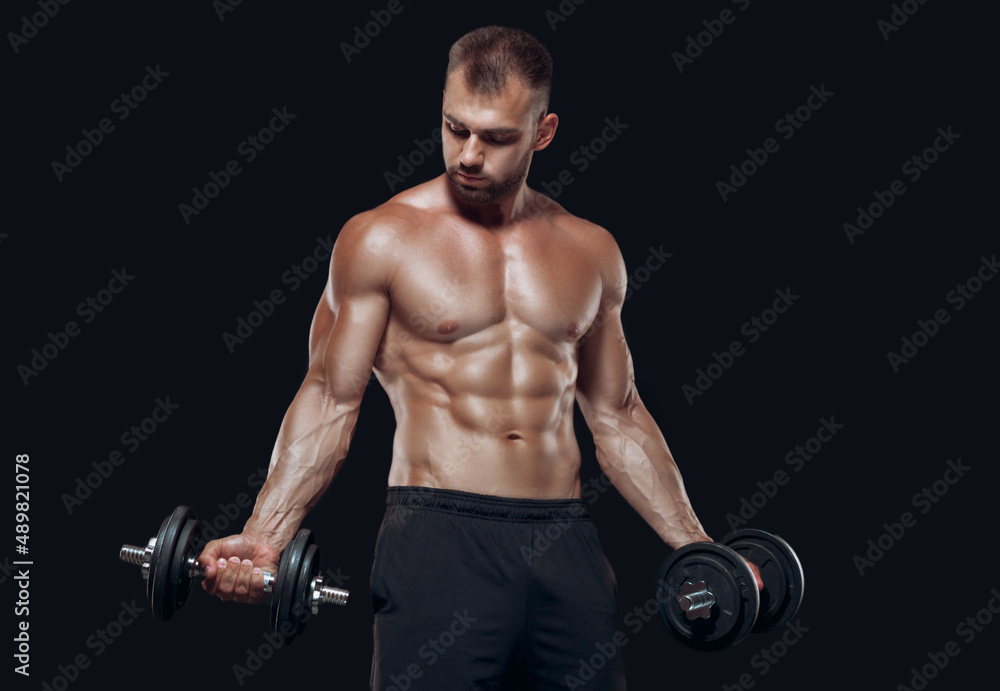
x: 472, y: 153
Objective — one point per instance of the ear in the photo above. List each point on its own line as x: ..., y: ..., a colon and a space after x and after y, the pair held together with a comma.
x: 546, y: 131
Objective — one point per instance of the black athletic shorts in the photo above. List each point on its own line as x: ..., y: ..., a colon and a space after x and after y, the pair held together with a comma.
x: 472, y: 591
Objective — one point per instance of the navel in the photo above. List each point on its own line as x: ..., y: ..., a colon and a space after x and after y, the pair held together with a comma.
x: 448, y: 326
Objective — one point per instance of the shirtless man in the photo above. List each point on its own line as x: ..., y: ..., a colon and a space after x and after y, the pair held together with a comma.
x: 485, y: 310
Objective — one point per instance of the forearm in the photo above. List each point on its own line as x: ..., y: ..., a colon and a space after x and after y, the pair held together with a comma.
x: 634, y: 455
x: 311, y: 446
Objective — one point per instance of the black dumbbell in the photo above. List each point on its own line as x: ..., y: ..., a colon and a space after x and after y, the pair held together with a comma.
x: 708, y: 595
x: 170, y: 568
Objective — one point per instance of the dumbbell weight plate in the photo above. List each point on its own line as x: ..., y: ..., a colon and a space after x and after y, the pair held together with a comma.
x: 781, y: 571
x: 286, y: 585
x: 160, y: 586
x: 302, y: 609
x: 728, y: 578
x: 180, y: 572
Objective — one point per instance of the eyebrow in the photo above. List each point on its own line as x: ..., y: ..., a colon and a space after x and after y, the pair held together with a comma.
x: 492, y: 130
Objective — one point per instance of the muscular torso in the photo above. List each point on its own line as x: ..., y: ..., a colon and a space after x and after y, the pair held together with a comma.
x: 479, y: 355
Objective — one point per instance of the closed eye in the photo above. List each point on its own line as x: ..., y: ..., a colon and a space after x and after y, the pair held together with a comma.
x: 496, y: 140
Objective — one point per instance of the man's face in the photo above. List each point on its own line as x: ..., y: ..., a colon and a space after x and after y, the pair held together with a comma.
x: 487, y: 140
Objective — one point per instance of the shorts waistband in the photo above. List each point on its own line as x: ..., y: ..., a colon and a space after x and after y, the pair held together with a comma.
x: 486, y: 505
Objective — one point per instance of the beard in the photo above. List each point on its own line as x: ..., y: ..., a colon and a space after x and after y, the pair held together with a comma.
x: 495, y: 190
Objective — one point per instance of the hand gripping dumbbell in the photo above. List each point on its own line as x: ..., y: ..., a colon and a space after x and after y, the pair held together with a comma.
x: 708, y: 595
x: 170, y: 568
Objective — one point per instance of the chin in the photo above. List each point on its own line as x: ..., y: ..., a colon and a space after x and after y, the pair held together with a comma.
x: 492, y: 193
x: 472, y: 195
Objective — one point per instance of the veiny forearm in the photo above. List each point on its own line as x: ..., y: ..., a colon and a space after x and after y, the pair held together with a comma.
x: 311, y: 446
x: 634, y: 455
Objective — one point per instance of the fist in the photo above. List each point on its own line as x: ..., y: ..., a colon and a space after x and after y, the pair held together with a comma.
x: 756, y: 575
x: 234, y: 567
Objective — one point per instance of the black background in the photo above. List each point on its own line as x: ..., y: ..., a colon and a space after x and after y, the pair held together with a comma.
x: 653, y: 186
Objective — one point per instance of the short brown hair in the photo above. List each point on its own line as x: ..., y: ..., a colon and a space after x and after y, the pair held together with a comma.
x: 493, y: 54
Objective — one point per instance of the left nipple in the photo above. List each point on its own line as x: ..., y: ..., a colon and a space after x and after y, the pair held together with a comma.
x: 448, y: 326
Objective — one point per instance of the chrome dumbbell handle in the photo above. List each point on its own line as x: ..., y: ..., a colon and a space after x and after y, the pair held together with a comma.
x: 196, y: 571
x: 139, y: 556
x: 320, y: 594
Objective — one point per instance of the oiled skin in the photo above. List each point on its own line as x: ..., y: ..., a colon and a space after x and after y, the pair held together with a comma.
x: 483, y: 324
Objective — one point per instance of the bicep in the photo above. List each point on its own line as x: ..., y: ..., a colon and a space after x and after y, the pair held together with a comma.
x: 351, y: 316
x: 606, y: 378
